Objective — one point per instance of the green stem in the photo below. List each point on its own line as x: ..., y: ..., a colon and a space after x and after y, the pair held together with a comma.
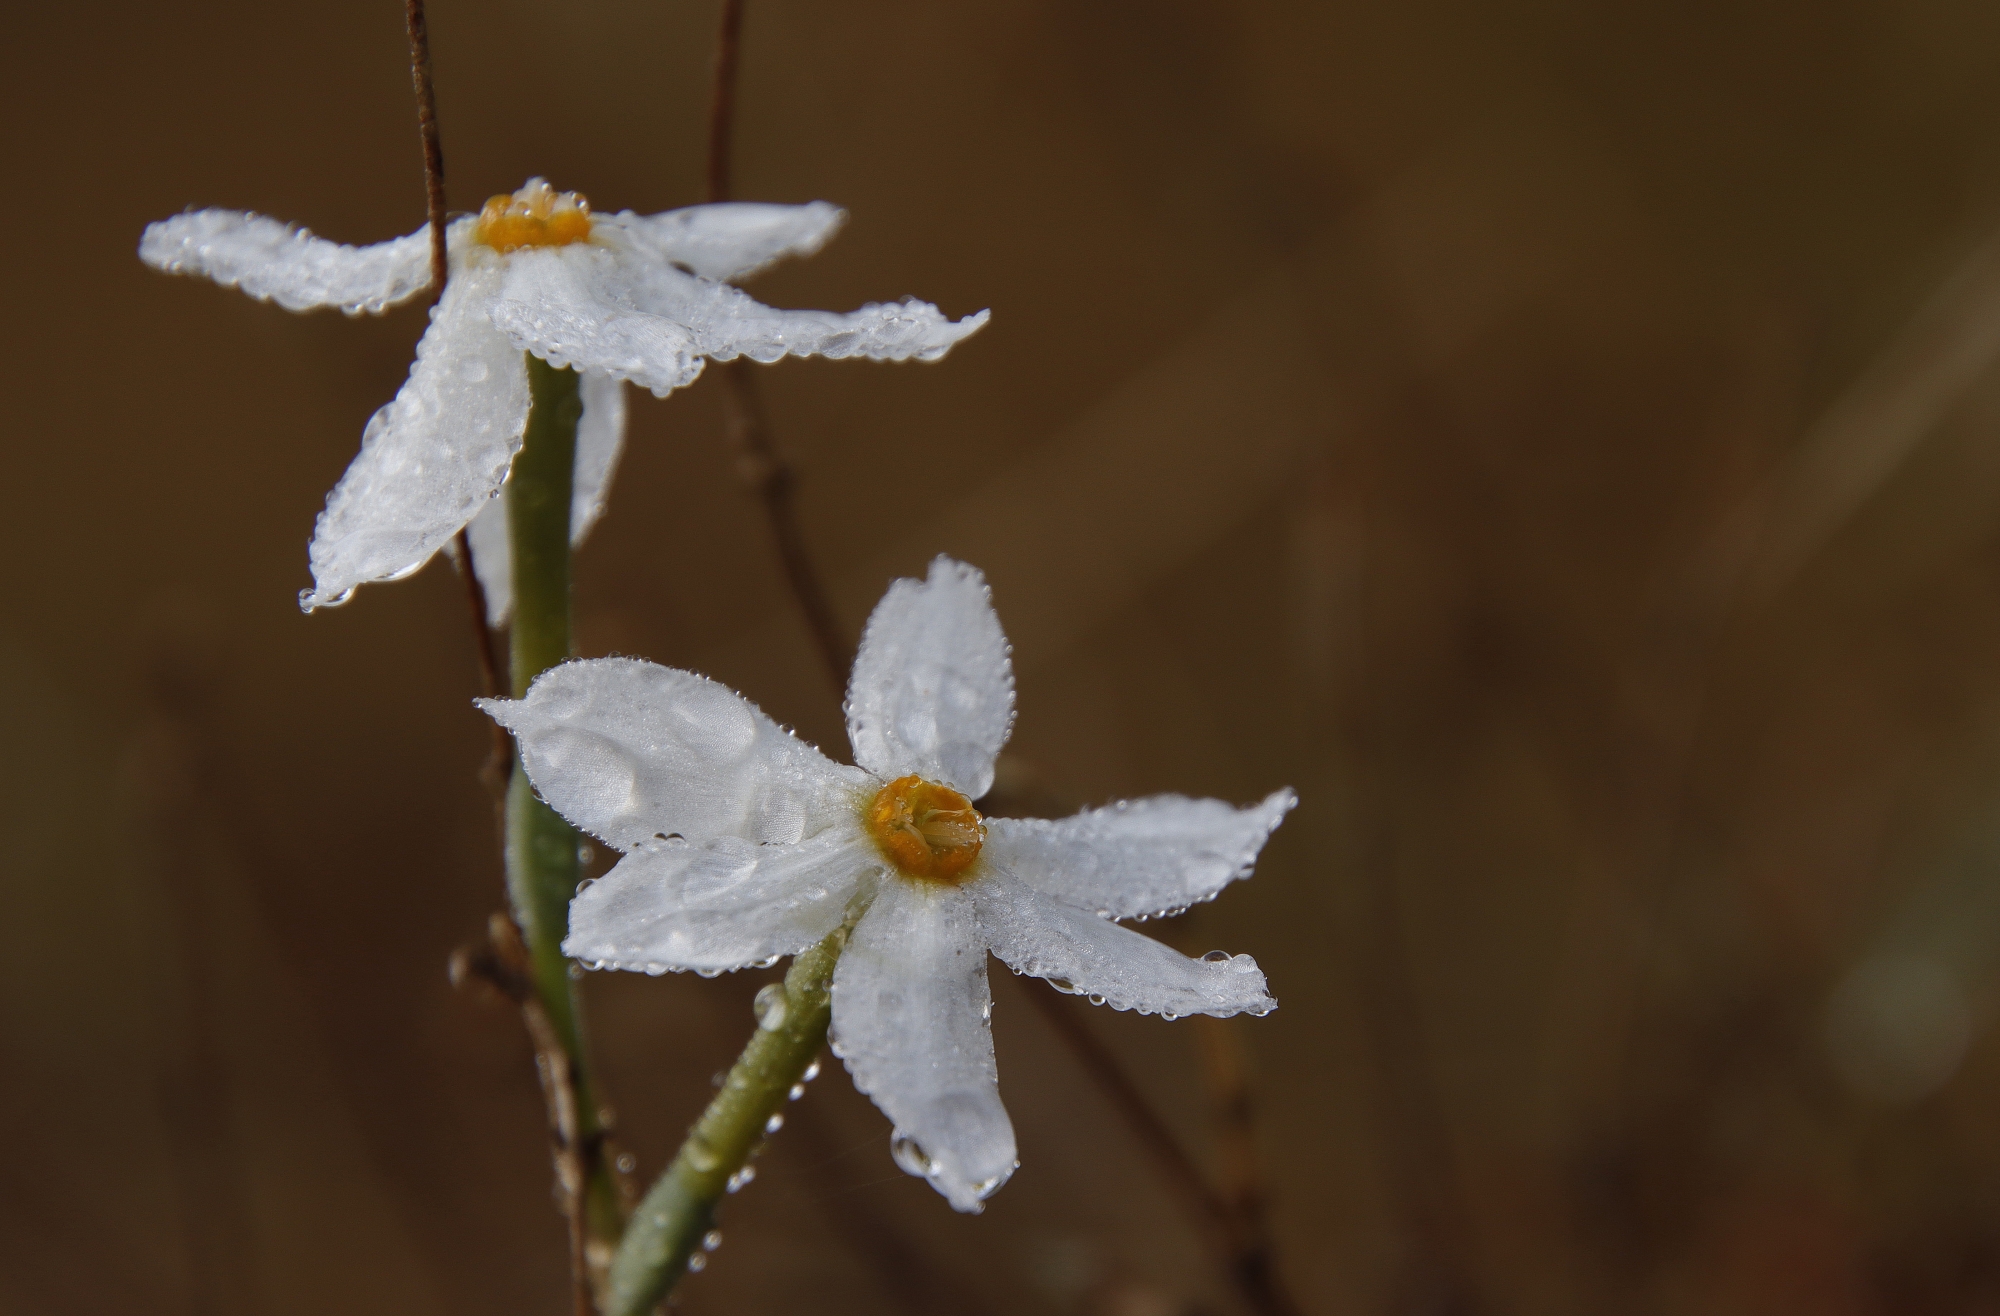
x: 679, y: 1209
x: 542, y: 848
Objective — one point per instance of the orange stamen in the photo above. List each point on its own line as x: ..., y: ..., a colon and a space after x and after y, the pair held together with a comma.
x: 535, y: 216
x: 927, y: 830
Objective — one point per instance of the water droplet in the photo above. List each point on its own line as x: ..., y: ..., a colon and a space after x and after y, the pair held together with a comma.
x: 1217, y: 957
x: 1063, y: 985
x: 709, y: 973
x: 584, y: 885
x: 798, y: 1090
x: 711, y: 1240
x: 985, y: 1188
x: 771, y: 1006
x: 986, y: 1011
x: 766, y: 962
x: 1168, y: 1015
x: 575, y: 971
x: 698, y: 1262
x: 773, y: 1124
x: 740, y: 1178
x: 701, y: 1157
x: 627, y: 1162
x: 910, y: 1156
x: 655, y: 969
x: 812, y: 1072
x: 1096, y: 998
x: 585, y: 852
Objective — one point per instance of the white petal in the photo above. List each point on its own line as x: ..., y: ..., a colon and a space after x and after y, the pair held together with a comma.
x: 1114, y: 966
x: 727, y: 322
x: 671, y: 904
x: 910, y: 1019
x: 630, y: 750
x: 932, y: 692
x: 600, y: 438
x: 273, y: 261
x: 569, y: 306
x: 734, y: 239
x: 432, y: 459
x: 1141, y: 857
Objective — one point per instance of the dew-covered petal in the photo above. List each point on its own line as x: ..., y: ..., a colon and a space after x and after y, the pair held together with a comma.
x: 431, y: 459
x: 732, y: 239
x: 1138, y: 857
x: 932, y: 691
x: 629, y: 750
x: 727, y: 322
x: 600, y: 438
x: 569, y: 306
x: 910, y: 1019
x: 726, y: 904
x: 1113, y: 965
x: 275, y: 261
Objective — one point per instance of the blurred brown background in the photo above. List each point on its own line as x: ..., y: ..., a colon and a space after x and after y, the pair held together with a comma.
x: 1559, y: 439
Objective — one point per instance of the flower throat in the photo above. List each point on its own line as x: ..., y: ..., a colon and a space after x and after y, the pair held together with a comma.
x: 927, y: 830
x: 535, y: 216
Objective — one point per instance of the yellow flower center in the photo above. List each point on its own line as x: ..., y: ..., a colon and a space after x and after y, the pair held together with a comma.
x: 535, y: 216
x: 927, y: 830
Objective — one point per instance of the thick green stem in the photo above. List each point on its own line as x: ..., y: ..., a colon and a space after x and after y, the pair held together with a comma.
x: 541, y: 848
x: 679, y: 1209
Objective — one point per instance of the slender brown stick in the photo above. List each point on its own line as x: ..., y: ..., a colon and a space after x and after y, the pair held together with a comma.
x: 762, y: 465
x: 509, y: 967
x: 427, y: 129
x: 1235, y: 1237
x: 722, y: 100
x: 769, y: 476
x: 1239, y: 1243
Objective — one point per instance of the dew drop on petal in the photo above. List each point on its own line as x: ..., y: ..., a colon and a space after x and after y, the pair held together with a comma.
x: 701, y: 1156
x: 771, y: 1006
x: 708, y: 973
x: 740, y: 1178
x: 711, y: 1240
x: 798, y: 1090
x: 812, y: 1072
x: 1216, y: 957
x: 910, y: 1155
x: 773, y: 1124
x: 698, y: 1262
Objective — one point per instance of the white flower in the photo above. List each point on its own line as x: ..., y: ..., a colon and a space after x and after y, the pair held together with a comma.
x: 616, y: 297
x: 743, y: 843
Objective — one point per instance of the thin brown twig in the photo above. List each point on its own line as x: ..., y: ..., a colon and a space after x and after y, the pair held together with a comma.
x: 722, y: 100
x: 505, y: 965
x: 1226, y: 1068
x: 1240, y: 1242
x: 769, y: 476
x: 427, y: 129
x: 492, y: 676
x: 759, y: 461
x: 1235, y: 1238
x: 502, y: 967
